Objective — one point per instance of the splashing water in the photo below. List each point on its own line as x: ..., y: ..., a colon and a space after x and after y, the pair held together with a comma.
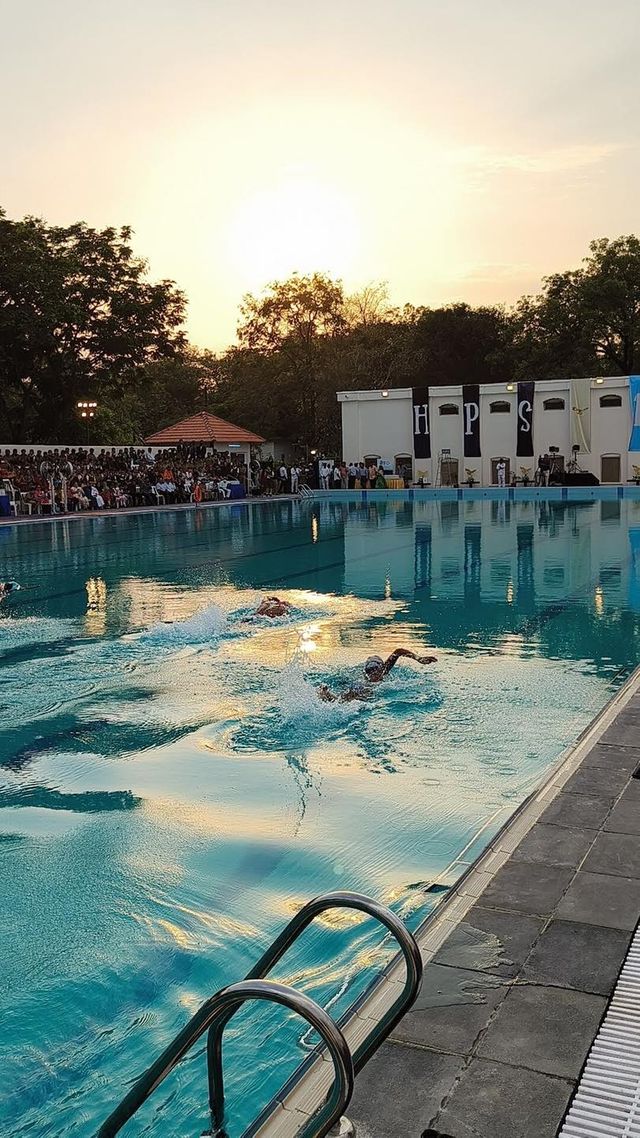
x: 299, y: 699
x: 176, y: 791
x: 208, y: 624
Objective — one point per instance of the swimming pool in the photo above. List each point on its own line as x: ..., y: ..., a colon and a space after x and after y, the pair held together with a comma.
x: 171, y: 793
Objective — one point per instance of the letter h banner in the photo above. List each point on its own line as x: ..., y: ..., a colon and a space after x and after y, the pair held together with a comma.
x: 421, y: 434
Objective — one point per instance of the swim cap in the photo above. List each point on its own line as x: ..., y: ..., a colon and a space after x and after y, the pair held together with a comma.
x: 11, y: 586
x: 373, y: 663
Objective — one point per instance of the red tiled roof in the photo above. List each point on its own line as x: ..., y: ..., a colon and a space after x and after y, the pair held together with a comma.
x: 202, y: 428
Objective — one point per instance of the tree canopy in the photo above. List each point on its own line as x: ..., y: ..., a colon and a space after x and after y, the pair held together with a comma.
x: 80, y: 318
x: 585, y: 321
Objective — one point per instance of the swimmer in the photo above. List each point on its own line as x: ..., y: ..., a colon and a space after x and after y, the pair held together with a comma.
x: 272, y: 607
x: 7, y: 588
x: 375, y: 670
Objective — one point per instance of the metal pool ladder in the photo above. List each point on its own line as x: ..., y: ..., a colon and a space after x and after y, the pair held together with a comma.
x: 216, y: 1012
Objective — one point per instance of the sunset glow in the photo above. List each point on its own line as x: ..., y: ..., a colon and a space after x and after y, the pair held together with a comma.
x: 460, y: 152
x: 297, y: 225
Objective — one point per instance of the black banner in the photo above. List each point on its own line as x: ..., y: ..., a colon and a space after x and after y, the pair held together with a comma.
x: 421, y: 435
x: 423, y: 557
x: 471, y: 419
x: 472, y: 542
x: 524, y: 443
x: 526, y: 583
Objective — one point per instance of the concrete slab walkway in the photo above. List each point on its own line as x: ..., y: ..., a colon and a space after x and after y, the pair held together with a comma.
x: 513, y: 998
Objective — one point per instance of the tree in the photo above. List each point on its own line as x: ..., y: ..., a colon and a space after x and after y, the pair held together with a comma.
x: 461, y: 344
x: 254, y: 389
x: 158, y: 395
x: 294, y: 319
x: 585, y: 321
x: 369, y: 305
x: 78, y: 318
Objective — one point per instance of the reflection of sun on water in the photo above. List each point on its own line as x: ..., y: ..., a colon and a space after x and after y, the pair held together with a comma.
x: 96, y: 615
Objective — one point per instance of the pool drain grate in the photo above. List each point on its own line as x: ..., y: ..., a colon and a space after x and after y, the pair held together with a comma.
x: 607, y: 1101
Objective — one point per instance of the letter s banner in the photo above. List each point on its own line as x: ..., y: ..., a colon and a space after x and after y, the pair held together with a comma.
x: 634, y: 395
x: 524, y: 438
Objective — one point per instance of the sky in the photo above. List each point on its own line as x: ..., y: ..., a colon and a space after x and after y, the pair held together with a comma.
x: 457, y: 149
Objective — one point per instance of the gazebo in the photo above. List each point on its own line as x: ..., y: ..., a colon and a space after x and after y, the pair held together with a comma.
x: 206, y: 430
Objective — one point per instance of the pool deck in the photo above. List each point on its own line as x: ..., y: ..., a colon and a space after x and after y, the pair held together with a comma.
x: 521, y: 960
x: 125, y: 511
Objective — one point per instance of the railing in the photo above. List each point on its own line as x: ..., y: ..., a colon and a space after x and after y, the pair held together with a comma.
x: 216, y: 1012
x: 305, y: 491
x: 408, y: 947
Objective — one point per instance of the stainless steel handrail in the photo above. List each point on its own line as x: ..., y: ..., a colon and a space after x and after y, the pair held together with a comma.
x: 214, y: 1014
x: 408, y: 946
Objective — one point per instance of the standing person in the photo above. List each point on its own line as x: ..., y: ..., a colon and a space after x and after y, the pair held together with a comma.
x: 324, y: 468
x: 352, y: 472
x: 362, y: 476
x: 337, y: 479
x: 344, y: 476
x: 295, y: 478
x: 373, y: 474
x: 283, y: 479
x: 542, y: 471
x: 501, y: 470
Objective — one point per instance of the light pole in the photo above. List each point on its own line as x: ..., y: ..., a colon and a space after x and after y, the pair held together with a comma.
x: 87, y: 410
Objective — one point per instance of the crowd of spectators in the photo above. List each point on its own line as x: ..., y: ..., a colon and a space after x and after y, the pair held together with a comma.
x: 86, y: 479
x: 361, y: 475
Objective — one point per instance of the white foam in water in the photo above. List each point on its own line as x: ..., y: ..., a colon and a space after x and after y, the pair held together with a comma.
x: 299, y: 699
x: 208, y: 624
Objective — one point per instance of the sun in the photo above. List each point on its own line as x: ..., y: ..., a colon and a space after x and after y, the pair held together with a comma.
x: 299, y: 224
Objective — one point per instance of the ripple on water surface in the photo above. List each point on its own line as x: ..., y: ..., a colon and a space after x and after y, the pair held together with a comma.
x: 172, y: 788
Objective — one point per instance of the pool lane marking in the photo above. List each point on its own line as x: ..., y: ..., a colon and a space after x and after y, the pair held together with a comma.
x: 530, y: 624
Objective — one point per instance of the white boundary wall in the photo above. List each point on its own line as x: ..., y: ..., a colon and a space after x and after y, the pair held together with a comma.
x: 244, y: 449
x: 377, y: 424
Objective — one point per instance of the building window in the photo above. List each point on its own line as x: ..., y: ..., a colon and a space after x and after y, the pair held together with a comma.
x: 500, y: 407
x: 403, y: 465
x: 449, y: 409
x: 611, y: 401
x: 553, y: 404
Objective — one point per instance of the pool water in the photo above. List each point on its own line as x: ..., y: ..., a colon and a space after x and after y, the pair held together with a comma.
x: 172, y: 792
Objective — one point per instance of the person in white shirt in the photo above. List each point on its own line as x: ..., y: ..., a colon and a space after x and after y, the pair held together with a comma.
x: 295, y: 479
x: 501, y: 470
x: 283, y: 479
x: 337, y: 481
x: 352, y: 471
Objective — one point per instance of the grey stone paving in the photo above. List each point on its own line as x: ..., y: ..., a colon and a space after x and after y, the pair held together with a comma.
x: 513, y: 999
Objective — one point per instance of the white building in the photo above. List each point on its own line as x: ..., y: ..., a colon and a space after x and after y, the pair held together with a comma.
x: 465, y: 431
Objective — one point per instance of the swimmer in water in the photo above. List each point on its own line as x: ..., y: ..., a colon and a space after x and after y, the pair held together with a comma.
x: 375, y: 670
x: 272, y: 607
x: 7, y: 588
